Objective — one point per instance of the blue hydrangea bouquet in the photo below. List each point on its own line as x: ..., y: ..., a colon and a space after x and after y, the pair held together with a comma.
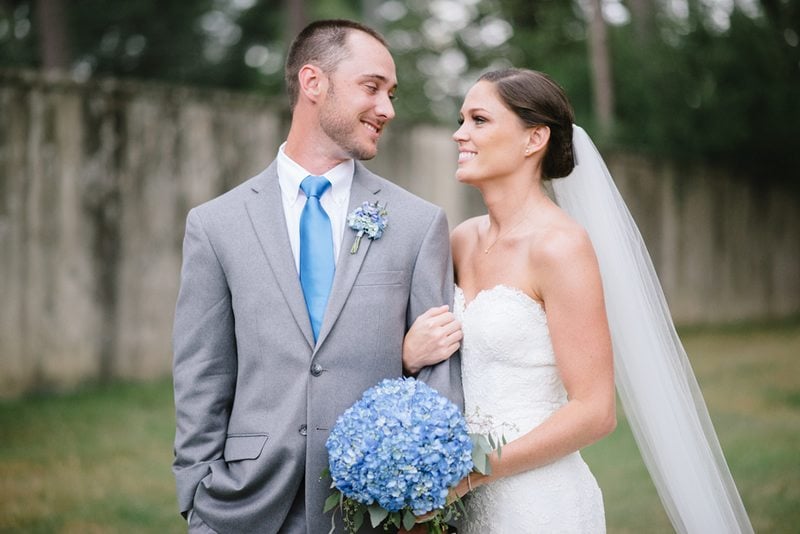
x: 395, y: 454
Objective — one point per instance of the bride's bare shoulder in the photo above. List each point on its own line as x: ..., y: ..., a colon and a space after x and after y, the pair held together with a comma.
x: 469, y: 225
x: 466, y: 232
x: 563, y: 241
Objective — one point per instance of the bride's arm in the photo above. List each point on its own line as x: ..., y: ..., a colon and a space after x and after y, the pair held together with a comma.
x: 569, y: 284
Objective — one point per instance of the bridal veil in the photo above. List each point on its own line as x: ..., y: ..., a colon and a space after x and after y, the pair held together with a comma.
x: 655, y: 382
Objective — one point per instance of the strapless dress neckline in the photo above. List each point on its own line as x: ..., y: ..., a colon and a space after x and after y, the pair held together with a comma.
x: 513, y: 292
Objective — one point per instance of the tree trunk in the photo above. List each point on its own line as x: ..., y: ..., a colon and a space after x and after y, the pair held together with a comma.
x: 298, y: 17
x: 51, y: 26
x: 643, y: 14
x: 600, y: 58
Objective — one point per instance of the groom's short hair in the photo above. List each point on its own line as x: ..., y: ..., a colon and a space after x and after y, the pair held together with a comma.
x: 322, y: 43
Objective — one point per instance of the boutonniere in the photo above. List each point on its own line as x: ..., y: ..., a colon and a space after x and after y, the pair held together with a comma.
x: 370, y: 219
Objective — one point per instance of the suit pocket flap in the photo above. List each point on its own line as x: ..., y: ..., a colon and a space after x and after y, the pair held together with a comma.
x: 247, y: 447
x: 379, y: 278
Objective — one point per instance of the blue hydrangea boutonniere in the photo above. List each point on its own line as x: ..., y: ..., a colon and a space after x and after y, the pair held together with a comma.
x: 370, y: 219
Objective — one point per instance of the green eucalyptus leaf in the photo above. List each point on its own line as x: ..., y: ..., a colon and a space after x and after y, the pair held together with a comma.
x: 358, y: 520
x: 479, y: 461
x: 377, y: 514
x: 409, y: 520
x: 480, y: 442
x: 331, y: 502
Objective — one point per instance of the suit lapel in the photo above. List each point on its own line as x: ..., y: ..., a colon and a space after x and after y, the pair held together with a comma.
x: 364, y: 189
x: 266, y: 213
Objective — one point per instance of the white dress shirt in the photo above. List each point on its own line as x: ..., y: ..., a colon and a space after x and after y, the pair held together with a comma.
x: 334, y: 201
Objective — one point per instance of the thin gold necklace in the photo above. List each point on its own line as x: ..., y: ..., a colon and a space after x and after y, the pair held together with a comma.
x: 503, y: 234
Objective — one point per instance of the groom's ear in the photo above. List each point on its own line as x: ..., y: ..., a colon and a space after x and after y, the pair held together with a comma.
x: 537, y: 138
x: 313, y: 82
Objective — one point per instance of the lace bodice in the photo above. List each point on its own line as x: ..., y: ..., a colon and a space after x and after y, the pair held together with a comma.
x: 507, y: 348
x: 511, y: 385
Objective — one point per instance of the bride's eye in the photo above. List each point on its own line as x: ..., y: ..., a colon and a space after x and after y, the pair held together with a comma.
x: 478, y: 119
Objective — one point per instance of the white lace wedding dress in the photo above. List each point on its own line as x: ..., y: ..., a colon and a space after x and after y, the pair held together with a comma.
x: 510, y: 378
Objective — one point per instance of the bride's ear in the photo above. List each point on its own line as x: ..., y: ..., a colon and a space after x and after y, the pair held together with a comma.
x: 538, y: 138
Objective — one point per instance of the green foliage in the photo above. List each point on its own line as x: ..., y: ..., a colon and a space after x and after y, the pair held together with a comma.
x: 550, y: 36
x: 692, y: 89
x: 440, y: 49
x: 255, y: 61
x: 17, y: 45
x: 725, y: 97
x: 355, y: 514
x: 145, y: 39
x: 483, y: 446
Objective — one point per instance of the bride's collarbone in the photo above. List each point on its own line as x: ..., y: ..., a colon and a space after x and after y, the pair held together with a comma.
x: 516, y: 273
x: 497, y: 271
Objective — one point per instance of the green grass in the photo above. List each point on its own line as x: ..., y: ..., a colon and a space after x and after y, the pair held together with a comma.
x: 98, y: 461
x: 94, y: 461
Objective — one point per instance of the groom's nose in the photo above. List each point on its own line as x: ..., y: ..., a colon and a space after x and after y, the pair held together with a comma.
x: 385, y: 108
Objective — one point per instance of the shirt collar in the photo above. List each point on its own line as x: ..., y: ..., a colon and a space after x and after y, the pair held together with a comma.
x: 291, y: 174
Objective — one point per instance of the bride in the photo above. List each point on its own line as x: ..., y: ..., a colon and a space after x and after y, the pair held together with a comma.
x: 544, y: 291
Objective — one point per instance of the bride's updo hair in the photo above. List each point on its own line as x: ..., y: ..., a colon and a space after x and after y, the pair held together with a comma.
x: 536, y: 99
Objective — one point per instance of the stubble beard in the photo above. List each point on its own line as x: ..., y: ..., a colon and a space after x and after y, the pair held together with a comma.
x: 343, y: 131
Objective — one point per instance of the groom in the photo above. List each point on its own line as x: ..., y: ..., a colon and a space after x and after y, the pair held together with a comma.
x: 281, y: 322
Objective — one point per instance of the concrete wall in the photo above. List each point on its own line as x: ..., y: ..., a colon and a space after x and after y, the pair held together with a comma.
x: 96, y: 180
x: 725, y: 249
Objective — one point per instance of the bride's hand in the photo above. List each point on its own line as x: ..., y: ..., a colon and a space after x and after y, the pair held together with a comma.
x: 434, y: 337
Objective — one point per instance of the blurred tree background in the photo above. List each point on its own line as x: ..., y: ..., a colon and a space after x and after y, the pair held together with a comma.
x: 708, y: 80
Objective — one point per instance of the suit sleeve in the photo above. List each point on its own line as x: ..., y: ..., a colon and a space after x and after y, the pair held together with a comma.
x: 204, y: 364
x: 432, y: 285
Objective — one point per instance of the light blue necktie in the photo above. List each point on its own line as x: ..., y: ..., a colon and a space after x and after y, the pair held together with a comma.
x: 316, y: 251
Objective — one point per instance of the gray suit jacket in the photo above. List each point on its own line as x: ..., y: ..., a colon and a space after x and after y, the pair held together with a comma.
x: 255, y: 397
